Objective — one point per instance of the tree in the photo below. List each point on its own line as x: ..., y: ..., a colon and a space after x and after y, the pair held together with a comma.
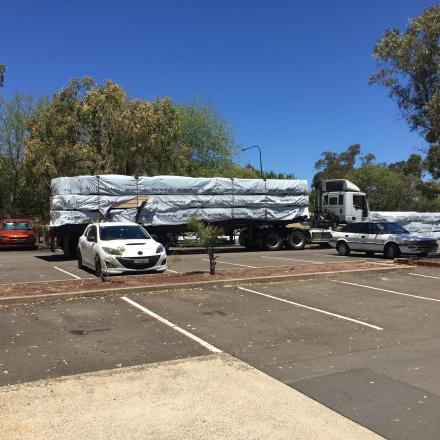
x: 336, y: 166
x: 2, y: 74
x: 432, y: 161
x: 14, y: 118
x: 408, y: 65
x: 207, y: 237
x: 207, y: 139
x: 387, y: 189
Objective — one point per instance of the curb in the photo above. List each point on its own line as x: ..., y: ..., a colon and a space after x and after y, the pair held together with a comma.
x: 426, y: 263
x: 9, y: 300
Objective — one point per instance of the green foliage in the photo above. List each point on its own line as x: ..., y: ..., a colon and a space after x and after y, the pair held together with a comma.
x: 207, y: 237
x: 206, y: 138
x: 336, y: 166
x: 395, y: 187
x: 14, y: 117
x: 432, y: 161
x: 408, y: 65
x: 2, y: 74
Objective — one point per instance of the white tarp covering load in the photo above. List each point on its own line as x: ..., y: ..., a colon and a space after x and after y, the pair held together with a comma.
x: 422, y: 223
x: 177, y: 202
x: 173, y: 200
x: 116, y: 185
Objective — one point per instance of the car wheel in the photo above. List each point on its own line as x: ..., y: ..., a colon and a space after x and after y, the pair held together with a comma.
x: 98, y: 267
x: 296, y: 240
x: 369, y: 254
x: 343, y: 249
x: 80, y: 263
x: 392, y: 251
x: 273, y: 241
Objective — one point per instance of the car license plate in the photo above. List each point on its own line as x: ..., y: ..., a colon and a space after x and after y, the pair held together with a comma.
x: 140, y: 260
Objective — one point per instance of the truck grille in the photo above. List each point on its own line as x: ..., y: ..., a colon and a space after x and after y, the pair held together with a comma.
x: 138, y: 262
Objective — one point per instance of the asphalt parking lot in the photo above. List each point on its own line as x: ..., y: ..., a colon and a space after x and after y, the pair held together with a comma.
x: 365, y: 345
x: 43, y: 265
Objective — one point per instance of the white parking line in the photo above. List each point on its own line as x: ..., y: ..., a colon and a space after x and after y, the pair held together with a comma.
x: 388, y: 291
x: 293, y: 259
x: 325, y: 312
x: 195, y: 338
x: 233, y: 264
x: 174, y: 271
x: 424, y: 276
x: 68, y: 273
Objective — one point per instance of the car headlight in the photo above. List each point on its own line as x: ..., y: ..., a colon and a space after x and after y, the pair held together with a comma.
x: 160, y: 249
x: 113, y: 251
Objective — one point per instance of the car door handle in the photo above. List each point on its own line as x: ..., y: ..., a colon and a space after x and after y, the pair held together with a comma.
x: 362, y: 236
x: 346, y: 236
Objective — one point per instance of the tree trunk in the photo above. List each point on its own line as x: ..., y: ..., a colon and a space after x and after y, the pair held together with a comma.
x: 211, y: 261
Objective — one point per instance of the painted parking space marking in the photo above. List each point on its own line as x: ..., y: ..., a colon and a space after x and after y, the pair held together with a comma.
x: 173, y: 271
x: 325, y: 312
x: 233, y: 264
x: 292, y: 259
x: 195, y: 338
x: 425, y: 298
x: 68, y: 273
x: 424, y: 276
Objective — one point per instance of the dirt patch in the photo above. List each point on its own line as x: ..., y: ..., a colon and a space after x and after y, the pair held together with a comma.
x: 114, y: 282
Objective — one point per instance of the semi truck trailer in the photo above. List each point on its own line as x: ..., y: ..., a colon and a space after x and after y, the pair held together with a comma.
x: 267, y: 214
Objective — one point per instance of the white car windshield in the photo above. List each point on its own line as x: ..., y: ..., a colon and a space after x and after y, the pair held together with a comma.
x: 108, y: 233
x: 391, y: 228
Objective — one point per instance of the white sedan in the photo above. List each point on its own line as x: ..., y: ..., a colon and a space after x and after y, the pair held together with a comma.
x: 113, y: 248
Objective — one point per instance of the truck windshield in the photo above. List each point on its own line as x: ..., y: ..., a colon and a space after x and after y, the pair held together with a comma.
x: 391, y: 228
x: 108, y: 233
x: 16, y: 226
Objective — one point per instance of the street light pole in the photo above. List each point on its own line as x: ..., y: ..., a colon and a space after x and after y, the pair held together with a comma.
x: 261, y: 163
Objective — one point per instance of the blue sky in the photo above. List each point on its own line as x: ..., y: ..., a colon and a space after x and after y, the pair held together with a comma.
x: 289, y: 76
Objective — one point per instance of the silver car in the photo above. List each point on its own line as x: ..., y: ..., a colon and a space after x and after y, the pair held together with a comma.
x: 387, y: 238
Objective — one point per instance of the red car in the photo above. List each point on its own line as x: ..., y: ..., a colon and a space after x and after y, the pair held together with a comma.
x: 17, y: 233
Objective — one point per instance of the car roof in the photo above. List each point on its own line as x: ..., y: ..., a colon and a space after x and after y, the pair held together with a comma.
x: 116, y: 224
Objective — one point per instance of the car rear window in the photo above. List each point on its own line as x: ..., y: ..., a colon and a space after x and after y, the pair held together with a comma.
x: 16, y: 226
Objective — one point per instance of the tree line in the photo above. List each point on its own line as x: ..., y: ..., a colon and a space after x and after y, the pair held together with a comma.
x: 90, y: 128
x: 87, y: 128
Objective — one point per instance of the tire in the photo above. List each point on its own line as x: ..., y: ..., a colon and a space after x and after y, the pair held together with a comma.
x: 343, y: 249
x: 80, y: 263
x: 392, y: 251
x: 296, y: 240
x: 98, y: 267
x: 273, y: 241
x: 369, y: 254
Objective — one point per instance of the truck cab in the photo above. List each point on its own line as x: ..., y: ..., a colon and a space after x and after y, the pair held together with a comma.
x: 343, y: 200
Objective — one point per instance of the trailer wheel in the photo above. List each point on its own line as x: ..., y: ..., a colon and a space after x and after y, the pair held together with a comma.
x: 296, y: 240
x: 273, y: 241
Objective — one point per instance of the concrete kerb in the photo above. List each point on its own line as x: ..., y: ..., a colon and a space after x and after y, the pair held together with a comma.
x: 14, y: 300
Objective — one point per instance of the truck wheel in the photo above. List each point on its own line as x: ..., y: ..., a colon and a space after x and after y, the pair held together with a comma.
x: 392, y: 251
x: 273, y: 241
x: 343, y: 249
x: 296, y: 240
